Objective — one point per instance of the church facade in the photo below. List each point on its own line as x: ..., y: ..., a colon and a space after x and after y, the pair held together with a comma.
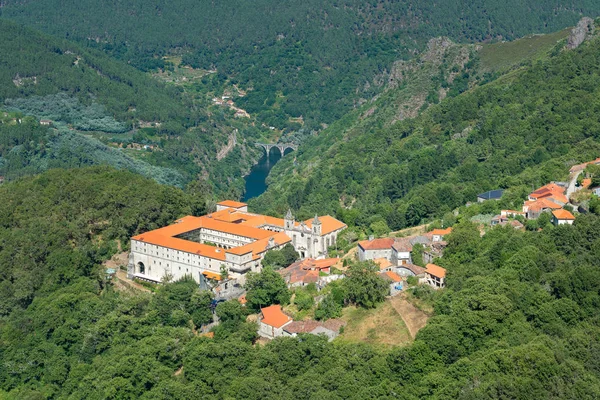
x: 230, y: 240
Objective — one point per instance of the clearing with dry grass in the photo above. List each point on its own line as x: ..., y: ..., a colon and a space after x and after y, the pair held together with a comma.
x: 380, y: 326
x: 413, y: 318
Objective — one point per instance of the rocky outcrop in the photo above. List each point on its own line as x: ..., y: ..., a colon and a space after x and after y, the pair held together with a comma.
x: 585, y: 28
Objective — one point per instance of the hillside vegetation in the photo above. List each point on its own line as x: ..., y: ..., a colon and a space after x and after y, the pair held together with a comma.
x: 301, y: 58
x: 521, y: 130
x: 34, y: 64
x: 519, y: 318
x: 97, y: 104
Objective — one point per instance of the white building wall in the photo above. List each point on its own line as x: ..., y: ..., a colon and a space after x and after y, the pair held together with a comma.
x: 373, y: 254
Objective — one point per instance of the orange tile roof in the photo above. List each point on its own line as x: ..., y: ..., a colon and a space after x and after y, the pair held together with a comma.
x: 212, y: 275
x: 232, y: 204
x: 273, y: 316
x: 262, y: 220
x: 563, y: 214
x: 441, y: 232
x: 558, y: 197
x: 328, y: 224
x: 552, y: 187
x: 394, y: 277
x: 230, y: 221
x: 260, y: 246
x: 383, y: 263
x: 542, y: 204
x: 435, y: 270
x: 182, y: 245
x: 555, y: 194
x: 234, y: 229
x: 325, y: 263
x: 377, y: 244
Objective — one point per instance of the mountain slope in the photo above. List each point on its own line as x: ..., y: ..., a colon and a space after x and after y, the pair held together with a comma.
x: 523, y: 129
x: 37, y: 64
x: 300, y: 58
x: 87, y: 93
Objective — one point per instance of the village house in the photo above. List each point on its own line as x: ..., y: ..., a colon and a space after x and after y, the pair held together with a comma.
x: 272, y: 321
x: 534, y: 208
x: 230, y: 238
x: 375, y: 248
x: 437, y: 235
x: 304, y: 272
x: 512, y: 213
x: 396, y: 283
x: 436, y: 276
x: 330, y: 328
x: 551, y: 191
x: 401, y: 250
x: 384, y: 264
x: 490, y: 195
x: 580, y: 167
x: 433, y: 251
x: 562, y: 217
x: 45, y: 122
x: 498, y: 219
x: 407, y: 270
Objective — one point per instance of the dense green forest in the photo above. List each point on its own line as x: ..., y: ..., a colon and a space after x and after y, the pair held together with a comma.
x: 518, y: 320
x: 84, y: 91
x: 34, y: 64
x: 519, y: 132
x: 301, y: 58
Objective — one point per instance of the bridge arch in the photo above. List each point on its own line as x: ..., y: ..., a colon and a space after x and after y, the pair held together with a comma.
x: 282, y: 147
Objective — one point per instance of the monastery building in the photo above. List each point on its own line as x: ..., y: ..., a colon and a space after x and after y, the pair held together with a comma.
x: 230, y: 237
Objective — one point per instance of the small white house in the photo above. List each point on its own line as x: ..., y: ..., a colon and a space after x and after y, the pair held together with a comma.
x: 273, y: 321
x: 437, y: 235
x: 562, y: 217
x: 436, y: 276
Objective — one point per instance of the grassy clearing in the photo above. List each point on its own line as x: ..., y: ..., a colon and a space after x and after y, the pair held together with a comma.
x: 381, y: 326
x: 499, y: 56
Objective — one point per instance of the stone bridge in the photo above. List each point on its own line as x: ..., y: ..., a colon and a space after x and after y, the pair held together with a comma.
x: 281, y: 146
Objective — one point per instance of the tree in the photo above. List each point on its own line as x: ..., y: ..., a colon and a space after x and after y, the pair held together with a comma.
x: 230, y: 311
x: 200, y: 307
x: 266, y: 288
x: 303, y: 299
x: 224, y: 272
x: 364, y: 286
x: 328, y: 308
x: 282, y: 258
x: 416, y: 254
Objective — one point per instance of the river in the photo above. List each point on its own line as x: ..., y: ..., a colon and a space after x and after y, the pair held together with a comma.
x: 256, y: 179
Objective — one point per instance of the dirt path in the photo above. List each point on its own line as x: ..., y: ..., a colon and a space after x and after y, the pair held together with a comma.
x: 414, y: 318
x: 415, y: 230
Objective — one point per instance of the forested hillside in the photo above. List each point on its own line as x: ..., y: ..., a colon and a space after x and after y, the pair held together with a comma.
x: 97, y: 104
x: 57, y: 226
x: 518, y: 320
x: 34, y: 64
x: 312, y: 58
x: 28, y: 148
x: 521, y: 130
